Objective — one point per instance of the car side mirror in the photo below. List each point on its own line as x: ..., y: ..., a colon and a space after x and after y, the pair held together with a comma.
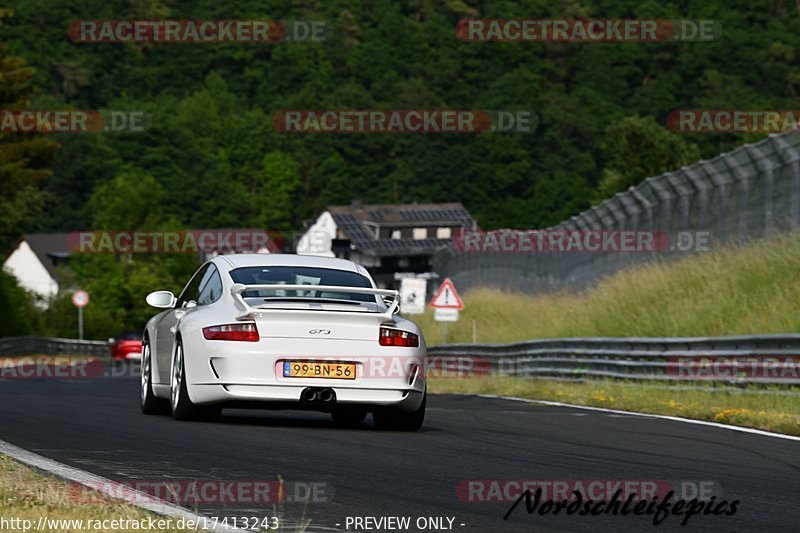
x: 161, y: 299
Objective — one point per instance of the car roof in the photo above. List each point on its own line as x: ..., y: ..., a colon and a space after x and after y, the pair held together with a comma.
x: 313, y: 261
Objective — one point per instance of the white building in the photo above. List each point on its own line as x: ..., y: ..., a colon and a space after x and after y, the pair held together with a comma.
x: 35, y: 260
x: 318, y: 239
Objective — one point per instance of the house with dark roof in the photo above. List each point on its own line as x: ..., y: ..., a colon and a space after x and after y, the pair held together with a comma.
x: 388, y: 239
x: 35, y: 259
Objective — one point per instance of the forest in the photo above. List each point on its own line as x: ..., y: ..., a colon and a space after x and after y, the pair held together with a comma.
x: 211, y: 156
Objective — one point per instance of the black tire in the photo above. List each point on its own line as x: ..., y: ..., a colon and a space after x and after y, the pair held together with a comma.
x: 149, y: 403
x: 182, y: 406
x: 393, y: 419
x: 348, y: 418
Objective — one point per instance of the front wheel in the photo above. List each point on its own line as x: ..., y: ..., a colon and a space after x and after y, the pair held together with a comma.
x: 393, y: 419
x: 148, y: 402
x: 182, y: 406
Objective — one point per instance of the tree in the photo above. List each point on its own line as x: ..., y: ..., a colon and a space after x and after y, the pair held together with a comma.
x: 132, y: 200
x: 636, y: 148
x: 280, y: 181
x: 117, y: 282
x: 210, y: 132
x: 18, y: 315
x: 25, y: 160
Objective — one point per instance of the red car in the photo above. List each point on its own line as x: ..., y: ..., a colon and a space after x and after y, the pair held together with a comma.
x: 126, y: 346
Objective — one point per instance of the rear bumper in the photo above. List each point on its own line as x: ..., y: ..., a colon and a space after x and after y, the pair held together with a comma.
x: 127, y: 350
x: 132, y: 355
x: 219, y: 372
x: 288, y: 397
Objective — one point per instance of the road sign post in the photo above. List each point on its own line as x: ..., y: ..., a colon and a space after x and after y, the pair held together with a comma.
x: 446, y: 305
x: 445, y: 314
x: 412, y: 296
x: 80, y: 299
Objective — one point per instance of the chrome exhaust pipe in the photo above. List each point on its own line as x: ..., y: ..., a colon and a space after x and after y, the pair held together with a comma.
x: 308, y: 395
x: 326, y: 395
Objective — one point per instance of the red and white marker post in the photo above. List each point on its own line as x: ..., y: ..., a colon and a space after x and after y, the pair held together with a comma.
x: 80, y: 299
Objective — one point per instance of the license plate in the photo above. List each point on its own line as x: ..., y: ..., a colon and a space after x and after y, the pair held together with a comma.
x: 307, y: 369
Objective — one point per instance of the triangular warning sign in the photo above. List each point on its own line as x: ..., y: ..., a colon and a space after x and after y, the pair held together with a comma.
x: 447, y: 297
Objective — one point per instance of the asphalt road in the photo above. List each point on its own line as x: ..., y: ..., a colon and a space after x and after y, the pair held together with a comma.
x: 95, y: 425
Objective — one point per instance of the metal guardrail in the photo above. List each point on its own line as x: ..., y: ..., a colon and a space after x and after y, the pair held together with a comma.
x: 10, y: 346
x: 762, y: 359
x: 757, y: 359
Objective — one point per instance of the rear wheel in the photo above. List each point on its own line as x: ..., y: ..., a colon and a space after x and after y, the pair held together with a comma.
x: 149, y: 403
x: 182, y: 406
x: 349, y: 418
x: 393, y: 419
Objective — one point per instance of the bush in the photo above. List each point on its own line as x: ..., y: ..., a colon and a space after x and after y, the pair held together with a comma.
x: 18, y: 312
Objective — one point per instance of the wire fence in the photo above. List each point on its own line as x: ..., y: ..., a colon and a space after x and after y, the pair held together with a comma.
x: 745, y: 194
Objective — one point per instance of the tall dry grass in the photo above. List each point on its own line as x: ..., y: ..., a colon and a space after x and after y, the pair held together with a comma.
x: 736, y: 290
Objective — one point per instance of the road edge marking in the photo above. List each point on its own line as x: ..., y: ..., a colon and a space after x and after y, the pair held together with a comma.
x: 105, y: 486
x: 648, y: 415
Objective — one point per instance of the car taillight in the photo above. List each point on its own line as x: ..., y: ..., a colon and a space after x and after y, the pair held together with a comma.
x: 397, y: 337
x: 232, y: 332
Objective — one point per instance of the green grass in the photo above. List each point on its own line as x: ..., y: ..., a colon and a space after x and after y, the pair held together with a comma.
x: 772, y: 412
x: 733, y: 291
x: 736, y: 290
x: 28, y: 495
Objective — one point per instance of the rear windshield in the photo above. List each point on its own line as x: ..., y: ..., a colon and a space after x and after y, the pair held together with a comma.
x: 284, y: 275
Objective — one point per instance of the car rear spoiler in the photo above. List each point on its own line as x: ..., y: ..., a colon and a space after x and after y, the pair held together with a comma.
x: 249, y: 312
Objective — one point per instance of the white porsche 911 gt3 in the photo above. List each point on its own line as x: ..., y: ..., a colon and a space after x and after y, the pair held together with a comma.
x: 284, y: 331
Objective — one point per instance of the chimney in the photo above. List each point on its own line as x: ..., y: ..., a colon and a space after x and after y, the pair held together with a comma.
x: 357, y: 204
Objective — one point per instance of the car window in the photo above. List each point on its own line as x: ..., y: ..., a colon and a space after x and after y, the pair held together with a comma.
x: 192, y: 291
x: 211, y: 291
x: 284, y: 275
